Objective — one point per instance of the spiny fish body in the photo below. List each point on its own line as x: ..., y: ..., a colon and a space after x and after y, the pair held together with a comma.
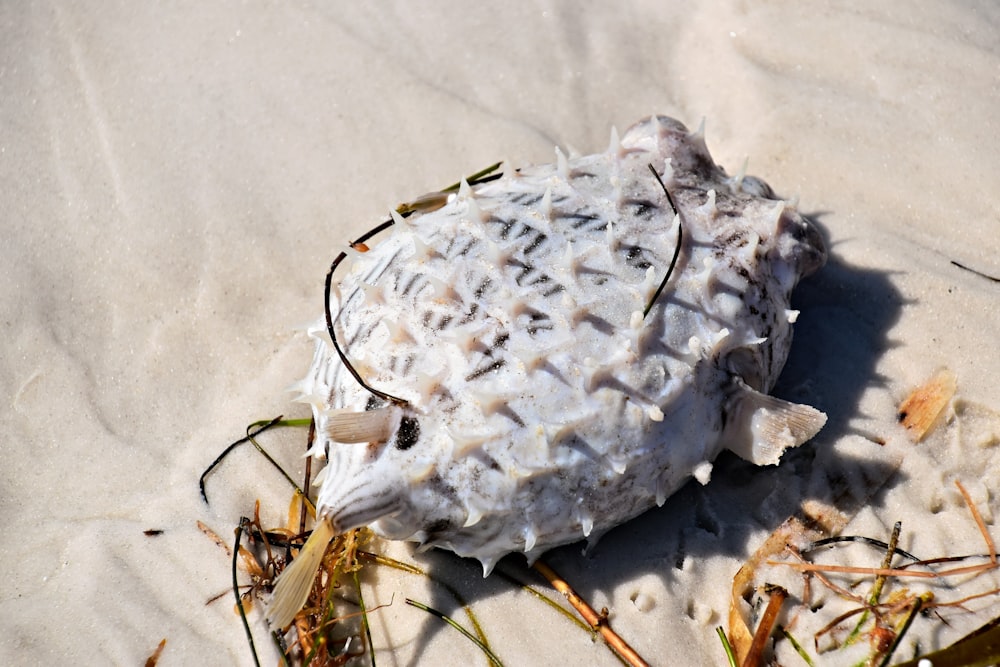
x: 536, y: 403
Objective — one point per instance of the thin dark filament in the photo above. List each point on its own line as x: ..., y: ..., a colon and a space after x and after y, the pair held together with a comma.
x: 249, y: 438
x: 303, y: 514
x: 879, y: 544
x: 978, y: 273
x: 405, y: 210
x: 333, y: 334
x: 481, y: 176
x: 236, y: 591
x: 677, y: 248
x: 490, y: 655
x: 278, y: 540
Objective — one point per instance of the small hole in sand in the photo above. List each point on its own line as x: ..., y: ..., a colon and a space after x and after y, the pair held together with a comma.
x: 642, y: 601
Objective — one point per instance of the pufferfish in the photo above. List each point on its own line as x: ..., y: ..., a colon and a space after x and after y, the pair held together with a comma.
x: 549, y: 354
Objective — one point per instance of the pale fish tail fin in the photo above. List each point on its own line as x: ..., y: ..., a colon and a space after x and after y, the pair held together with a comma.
x: 295, y: 582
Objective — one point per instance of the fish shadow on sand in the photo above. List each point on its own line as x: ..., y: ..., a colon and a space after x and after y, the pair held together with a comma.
x: 842, y: 332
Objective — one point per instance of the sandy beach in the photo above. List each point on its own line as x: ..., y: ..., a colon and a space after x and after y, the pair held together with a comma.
x: 176, y: 180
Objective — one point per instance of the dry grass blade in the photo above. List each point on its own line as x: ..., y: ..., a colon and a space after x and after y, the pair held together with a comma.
x: 803, y: 566
x: 597, y: 622
x: 884, y: 623
x: 413, y: 569
x: 755, y: 657
x: 979, y: 522
x: 797, y: 647
x: 155, y: 658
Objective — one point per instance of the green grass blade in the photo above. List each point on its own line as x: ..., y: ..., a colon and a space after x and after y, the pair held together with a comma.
x: 726, y: 646
x: 475, y: 640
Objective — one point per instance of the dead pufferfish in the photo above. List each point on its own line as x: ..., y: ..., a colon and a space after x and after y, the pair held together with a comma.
x: 519, y: 396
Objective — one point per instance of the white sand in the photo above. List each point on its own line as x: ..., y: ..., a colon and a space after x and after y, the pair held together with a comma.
x: 175, y: 183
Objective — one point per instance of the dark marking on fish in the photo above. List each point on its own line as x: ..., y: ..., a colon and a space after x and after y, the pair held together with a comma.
x: 535, y: 243
x: 510, y: 414
x: 635, y: 257
x: 555, y: 289
x: 642, y: 208
x: 505, y: 226
x: 483, y: 370
x: 483, y: 286
x: 526, y: 198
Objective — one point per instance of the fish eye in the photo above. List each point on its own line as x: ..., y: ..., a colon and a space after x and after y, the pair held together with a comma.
x: 408, y: 433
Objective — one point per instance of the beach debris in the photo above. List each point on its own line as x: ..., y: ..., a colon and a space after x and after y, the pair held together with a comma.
x: 261, y: 574
x: 538, y: 356
x: 921, y: 410
x: 993, y: 279
x: 494, y: 660
x: 745, y: 583
x: 333, y: 594
x: 155, y: 657
x: 864, y: 629
x: 979, y: 648
x: 318, y: 634
x: 597, y: 622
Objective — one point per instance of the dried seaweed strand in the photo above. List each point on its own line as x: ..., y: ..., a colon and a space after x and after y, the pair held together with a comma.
x: 872, y: 571
x: 597, y: 622
x: 531, y: 590
x: 840, y: 619
x: 328, y: 288
x: 755, y: 656
x: 308, y: 474
x: 879, y: 544
x: 967, y: 598
x: 230, y: 448
x: 236, y: 591
x: 818, y: 573
x: 379, y: 559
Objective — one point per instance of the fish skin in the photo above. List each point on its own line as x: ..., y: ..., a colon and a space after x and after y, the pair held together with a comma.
x: 541, y: 407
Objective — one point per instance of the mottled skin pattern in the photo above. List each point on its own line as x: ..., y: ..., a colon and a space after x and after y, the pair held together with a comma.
x: 542, y: 407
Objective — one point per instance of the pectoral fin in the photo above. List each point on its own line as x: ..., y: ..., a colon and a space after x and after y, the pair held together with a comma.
x: 761, y: 427
x: 368, y: 426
